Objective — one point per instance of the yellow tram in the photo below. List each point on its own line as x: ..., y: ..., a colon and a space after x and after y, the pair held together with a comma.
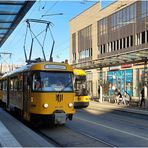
x: 40, y: 91
x: 81, y: 98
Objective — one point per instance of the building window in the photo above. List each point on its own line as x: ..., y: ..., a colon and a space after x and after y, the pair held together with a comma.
x: 143, y: 37
x: 124, y: 43
x: 128, y: 14
x: 103, y: 26
x: 85, y: 38
x: 101, y: 49
x: 104, y: 48
x: 132, y: 11
x: 131, y: 40
x: 143, y: 8
x: 85, y: 53
x: 147, y: 36
x: 123, y: 16
x: 120, y: 43
x: 114, y: 46
x: 117, y: 44
x: 138, y: 39
x: 127, y: 41
x: 111, y: 46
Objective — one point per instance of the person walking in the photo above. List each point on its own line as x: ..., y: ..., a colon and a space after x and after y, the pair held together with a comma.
x: 142, y: 97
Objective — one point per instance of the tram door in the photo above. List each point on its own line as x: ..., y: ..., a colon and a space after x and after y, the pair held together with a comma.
x: 8, y: 93
x: 26, y: 97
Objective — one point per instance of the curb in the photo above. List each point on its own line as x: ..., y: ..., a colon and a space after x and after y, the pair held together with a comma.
x: 120, y: 108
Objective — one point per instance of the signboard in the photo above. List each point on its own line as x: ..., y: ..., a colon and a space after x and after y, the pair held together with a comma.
x: 115, y: 68
x: 126, y: 65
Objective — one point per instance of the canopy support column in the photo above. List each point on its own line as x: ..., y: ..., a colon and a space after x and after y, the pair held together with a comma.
x: 145, y: 82
x: 100, y: 85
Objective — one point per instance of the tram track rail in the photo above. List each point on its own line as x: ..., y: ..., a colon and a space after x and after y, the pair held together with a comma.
x: 64, y: 136
x: 97, y: 139
x: 49, y: 139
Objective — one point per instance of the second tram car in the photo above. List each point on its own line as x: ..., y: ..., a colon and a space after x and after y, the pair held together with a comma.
x: 40, y: 91
x: 81, y: 98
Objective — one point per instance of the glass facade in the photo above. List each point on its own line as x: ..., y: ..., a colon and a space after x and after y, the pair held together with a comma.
x: 121, y: 79
x: 123, y: 17
x: 119, y: 19
x: 85, y: 53
x: 144, y: 8
x: 103, y: 26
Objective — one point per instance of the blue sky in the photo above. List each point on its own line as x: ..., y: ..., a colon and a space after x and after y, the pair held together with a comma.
x: 60, y: 29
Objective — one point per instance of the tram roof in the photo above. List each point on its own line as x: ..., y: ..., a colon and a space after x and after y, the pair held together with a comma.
x: 44, y: 65
x: 11, y: 13
x: 79, y: 72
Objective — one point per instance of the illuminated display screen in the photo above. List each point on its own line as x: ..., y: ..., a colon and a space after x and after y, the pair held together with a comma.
x: 47, y: 66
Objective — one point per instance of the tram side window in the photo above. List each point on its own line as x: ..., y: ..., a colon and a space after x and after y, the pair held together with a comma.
x: 1, y: 85
x: 4, y: 85
x: 11, y: 84
x: 15, y: 81
x: 36, y: 82
x: 20, y: 85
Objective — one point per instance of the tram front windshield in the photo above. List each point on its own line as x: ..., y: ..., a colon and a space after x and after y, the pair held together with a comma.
x: 80, y: 86
x: 52, y: 81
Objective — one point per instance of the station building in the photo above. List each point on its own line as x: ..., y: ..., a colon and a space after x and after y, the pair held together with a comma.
x: 111, y: 44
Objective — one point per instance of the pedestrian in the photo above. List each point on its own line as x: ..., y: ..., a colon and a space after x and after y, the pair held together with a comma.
x: 125, y: 98
x: 142, y: 97
x: 98, y: 90
x: 119, y: 97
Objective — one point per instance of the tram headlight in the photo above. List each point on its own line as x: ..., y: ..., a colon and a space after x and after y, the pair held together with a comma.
x: 45, y: 105
x: 70, y: 104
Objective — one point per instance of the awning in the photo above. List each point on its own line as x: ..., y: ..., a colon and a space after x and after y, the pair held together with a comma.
x: 11, y: 13
x: 130, y: 57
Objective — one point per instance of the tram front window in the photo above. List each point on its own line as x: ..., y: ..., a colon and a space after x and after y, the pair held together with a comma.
x: 80, y: 86
x: 52, y: 81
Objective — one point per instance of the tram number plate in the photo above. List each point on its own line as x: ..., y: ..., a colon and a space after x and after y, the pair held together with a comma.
x: 60, y: 118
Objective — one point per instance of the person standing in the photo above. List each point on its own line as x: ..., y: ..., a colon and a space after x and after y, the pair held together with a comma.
x: 142, y: 97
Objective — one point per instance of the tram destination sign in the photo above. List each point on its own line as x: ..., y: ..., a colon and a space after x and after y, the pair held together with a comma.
x: 49, y: 66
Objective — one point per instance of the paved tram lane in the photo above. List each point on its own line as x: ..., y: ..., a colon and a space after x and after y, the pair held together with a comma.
x: 13, y: 133
x: 114, y: 127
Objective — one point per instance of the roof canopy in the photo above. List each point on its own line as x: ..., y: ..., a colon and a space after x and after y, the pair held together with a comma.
x: 130, y: 57
x: 11, y: 13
